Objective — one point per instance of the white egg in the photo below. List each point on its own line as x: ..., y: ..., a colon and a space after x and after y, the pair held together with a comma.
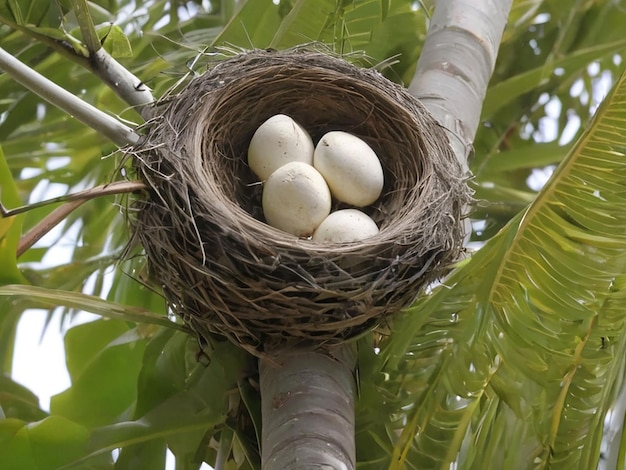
x: 346, y: 225
x: 351, y: 168
x: 296, y: 199
x: 277, y: 141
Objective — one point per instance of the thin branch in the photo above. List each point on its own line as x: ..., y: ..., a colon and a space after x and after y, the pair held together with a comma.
x: 456, y: 63
x: 117, y: 77
x: 72, y: 202
x: 101, y: 122
x: 126, y: 85
x: 117, y: 187
x: 45, y: 225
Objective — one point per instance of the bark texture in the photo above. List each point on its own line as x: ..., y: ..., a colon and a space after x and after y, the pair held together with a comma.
x: 456, y: 64
x: 308, y: 410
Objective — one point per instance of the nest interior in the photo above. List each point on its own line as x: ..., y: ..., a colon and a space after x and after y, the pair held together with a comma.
x: 223, y: 270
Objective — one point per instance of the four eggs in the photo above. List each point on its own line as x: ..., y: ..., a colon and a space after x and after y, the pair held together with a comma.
x: 300, y: 180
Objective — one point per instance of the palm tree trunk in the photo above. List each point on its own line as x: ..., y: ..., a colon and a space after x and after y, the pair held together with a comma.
x: 308, y: 410
x: 456, y: 63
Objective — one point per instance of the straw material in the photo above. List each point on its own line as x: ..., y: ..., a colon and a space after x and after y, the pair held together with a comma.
x: 223, y: 270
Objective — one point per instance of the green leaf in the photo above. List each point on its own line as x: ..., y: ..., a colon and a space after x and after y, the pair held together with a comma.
x: 384, y: 8
x: 508, y: 90
x: 150, y: 454
x: 36, y: 446
x: 252, y: 27
x: 526, y: 343
x: 10, y: 227
x: 16, y: 401
x: 164, y: 370
x: 307, y: 21
x: 115, y: 41
x: 34, y: 12
x: 39, y: 297
x: 9, y: 320
x: 536, y: 155
x: 10, y: 233
x: 185, y: 417
x: 353, y: 27
x: 103, y: 368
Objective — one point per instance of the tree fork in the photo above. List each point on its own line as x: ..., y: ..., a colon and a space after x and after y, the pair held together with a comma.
x: 308, y: 410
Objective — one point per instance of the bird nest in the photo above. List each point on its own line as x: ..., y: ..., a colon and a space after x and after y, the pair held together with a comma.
x: 224, y: 270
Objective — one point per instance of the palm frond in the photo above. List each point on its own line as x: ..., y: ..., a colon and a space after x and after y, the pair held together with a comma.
x: 517, y: 357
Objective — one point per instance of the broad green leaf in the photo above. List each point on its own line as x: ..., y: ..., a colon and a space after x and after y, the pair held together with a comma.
x: 34, y: 297
x: 184, y: 418
x: 37, y: 445
x: 16, y: 401
x: 103, y: 368
x: 150, y: 454
x: 164, y: 369
x: 526, y: 343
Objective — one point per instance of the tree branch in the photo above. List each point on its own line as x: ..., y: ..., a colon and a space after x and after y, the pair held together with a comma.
x: 126, y: 85
x: 456, y: 64
x: 101, y: 122
x: 307, y: 401
x: 118, y: 78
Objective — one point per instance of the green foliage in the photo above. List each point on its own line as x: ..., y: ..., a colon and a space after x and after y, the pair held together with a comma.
x: 378, y: 33
x: 519, y: 354
x: 35, y: 446
x: 37, y: 297
x: 550, y: 49
x: 10, y: 228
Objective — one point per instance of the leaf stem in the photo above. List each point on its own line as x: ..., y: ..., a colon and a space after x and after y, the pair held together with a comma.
x: 87, y: 28
x: 223, y: 451
x: 117, y: 187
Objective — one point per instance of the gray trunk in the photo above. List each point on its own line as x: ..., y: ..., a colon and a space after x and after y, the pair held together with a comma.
x: 456, y: 63
x: 308, y: 410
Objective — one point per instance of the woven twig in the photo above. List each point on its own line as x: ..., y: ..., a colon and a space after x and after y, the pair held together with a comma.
x: 224, y: 270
